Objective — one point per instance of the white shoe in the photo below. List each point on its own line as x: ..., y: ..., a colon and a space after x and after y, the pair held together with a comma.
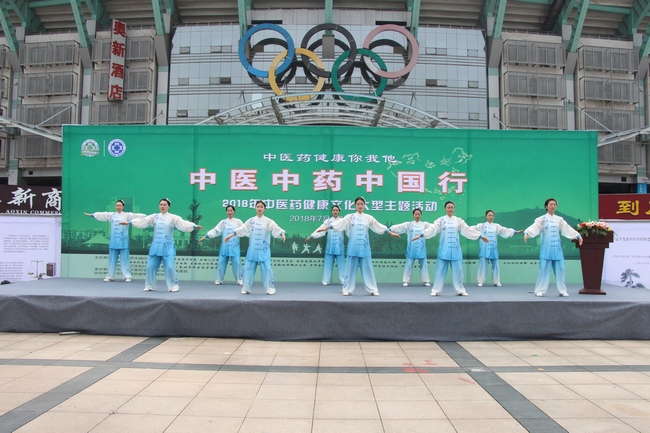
x: 564, y: 295
x: 434, y: 294
x: 108, y: 279
x: 240, y: 283
x: 427, y: 284
x: 127, y: 280
x: 375, y: 293
x: 480, y: 284
x: 324, y: 283
x: 174, y: 289
x: 405, y: 284
x: 539, y: 294
x: 498, y: 285
x: 346, y: 293
x: 149, y: 289
x: 245, y: 292
x: 463, y: 294
x: 271, y: 291
x: 217, y: 282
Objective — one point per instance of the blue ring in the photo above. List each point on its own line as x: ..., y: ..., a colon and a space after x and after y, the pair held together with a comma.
x: 266, y: 26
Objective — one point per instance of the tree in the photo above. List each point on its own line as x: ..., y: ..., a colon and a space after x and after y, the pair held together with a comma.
x: 195, y: 217
x: 626, y: 277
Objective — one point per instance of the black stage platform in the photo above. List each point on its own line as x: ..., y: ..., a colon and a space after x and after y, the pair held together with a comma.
x: 302, y: 311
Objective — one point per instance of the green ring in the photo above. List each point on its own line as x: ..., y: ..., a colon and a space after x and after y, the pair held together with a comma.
x: 365, y: 52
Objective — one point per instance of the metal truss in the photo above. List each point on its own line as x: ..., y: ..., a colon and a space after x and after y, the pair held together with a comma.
x: 32, y: 129
x: 327, y: 108
x: 623, y: 136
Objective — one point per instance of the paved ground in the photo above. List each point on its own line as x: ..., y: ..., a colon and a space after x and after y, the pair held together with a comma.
x: 89, y: 383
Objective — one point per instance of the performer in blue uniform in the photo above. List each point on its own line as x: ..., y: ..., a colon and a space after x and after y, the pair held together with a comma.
x: 119, y: 239
x: 551, y: 256
x: 162, y: 247
x: 356, y: 226
x: 334, y: 248
x: 230, y: 250
x: 488, y: 252
x: 259, y: 229
x: 416, y: 247
x: 449, y: 252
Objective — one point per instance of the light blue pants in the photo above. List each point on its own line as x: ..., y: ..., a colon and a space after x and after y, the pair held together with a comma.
x: 483, y: 267
x: 367, y: 274
x: 153, y: 263
x: 441, y: 274
x: 408, y: 270
x: 328, y: 267
x: 544, y: 275
x: 125, y: 262
x: 235, y: 263
x: 265, y: 269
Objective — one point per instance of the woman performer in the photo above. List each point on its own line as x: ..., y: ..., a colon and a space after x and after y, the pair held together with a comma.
x: 488, y: 253
x: 551, y: 256
x: 229, y: 250
x: 162, y: 247
x: 356, y: 226
x: 416, y: 247
x: 449, y: 252
x: 119, y: 239
x: 334, y: 248
x: 259, y: 229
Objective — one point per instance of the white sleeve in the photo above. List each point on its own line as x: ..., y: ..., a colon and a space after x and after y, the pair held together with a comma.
x: 433, y: 229
x: 276, y: 230
x: 216, y: 231
x: 376, y: 226
x: 568, y: 231
x: 535, y: 228
x: 505, y: 232
x: 131, y: 216
x: 401, y: 228
x: 182, y: 225
x: 317, y: 234
x: 467, y: 231
x: 103, y: 216
x: 144, y: 222
x: 244, y: 229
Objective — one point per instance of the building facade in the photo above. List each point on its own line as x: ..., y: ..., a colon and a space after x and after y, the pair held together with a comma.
x: 185, y: 73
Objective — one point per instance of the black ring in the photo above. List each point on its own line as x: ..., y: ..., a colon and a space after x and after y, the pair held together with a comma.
x: 337, y: 28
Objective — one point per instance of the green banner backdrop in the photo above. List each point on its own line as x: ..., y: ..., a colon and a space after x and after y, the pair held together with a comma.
x: 302, y: 171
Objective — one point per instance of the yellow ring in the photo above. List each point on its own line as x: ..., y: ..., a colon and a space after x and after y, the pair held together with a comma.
x: 276, y: 62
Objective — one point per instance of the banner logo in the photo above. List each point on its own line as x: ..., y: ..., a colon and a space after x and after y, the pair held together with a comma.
x: 89, y: 148
x: 116, y: 148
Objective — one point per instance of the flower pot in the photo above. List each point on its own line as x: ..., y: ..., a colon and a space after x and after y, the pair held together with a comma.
x: 592, y: 256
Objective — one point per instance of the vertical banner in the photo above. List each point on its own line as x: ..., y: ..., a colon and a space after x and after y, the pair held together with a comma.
x: 301, y: 172
x: 627, y: 260
x: 116, y: 66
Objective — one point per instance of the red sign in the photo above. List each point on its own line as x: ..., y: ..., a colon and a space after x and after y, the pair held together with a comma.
x: 624, y: 206
x: 118, y: 56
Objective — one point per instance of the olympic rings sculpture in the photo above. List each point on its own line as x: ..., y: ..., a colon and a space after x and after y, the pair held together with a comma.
x: 284, y: 66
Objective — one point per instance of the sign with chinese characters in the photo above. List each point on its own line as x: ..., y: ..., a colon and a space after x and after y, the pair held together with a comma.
x: 301, y: 173
x: 30, y: 200
x: 627, y: 260
x: 116, y: 67
x: 624, y: 206
x: 30, y: 247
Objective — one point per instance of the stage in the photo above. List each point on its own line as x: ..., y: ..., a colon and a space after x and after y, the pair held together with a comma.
x: 304, y: 311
